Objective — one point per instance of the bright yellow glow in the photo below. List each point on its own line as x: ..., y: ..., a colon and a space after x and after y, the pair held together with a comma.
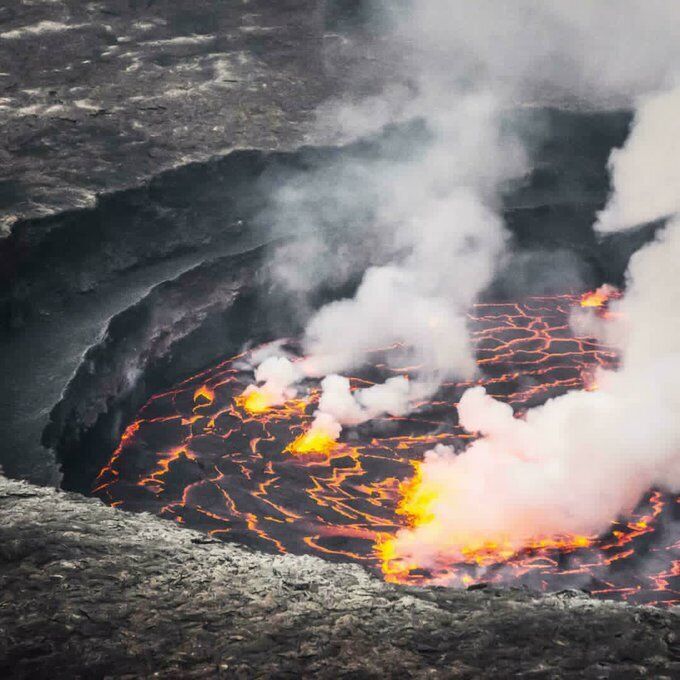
x: 395, y: 569
x: 419, y: 504
x: 254, y: 402
x: 596, y: 298
x: 485, y: 552
x: 418, y: 497
x: 314, y: 441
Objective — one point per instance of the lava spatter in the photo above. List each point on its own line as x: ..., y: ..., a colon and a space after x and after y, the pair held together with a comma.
x: 600, y: 297
x: 211, y: 457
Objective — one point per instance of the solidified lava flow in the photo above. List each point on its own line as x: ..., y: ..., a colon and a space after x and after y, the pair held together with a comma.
x: 209, y: 458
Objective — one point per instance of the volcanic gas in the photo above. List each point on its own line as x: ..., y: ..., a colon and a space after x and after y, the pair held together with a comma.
x: 217, y: 454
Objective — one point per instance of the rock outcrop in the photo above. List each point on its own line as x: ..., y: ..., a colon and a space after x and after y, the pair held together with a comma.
x: 89, y: 591
x: 100, y: 96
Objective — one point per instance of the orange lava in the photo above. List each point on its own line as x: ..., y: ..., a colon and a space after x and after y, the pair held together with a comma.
x: 312, y: 442
x: 253, y: 402
x: 418, y: 498
x: 210, y: 457
x: 205, y: 394
x: 599, y: 297
x: 417, y: 503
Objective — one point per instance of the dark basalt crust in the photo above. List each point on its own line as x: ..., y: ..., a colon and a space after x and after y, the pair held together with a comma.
x: 92, y: 592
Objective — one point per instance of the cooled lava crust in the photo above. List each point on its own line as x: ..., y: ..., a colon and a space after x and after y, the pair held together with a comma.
x: 201, y: 456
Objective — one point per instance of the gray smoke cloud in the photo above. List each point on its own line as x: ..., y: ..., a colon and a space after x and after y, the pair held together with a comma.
x: 573, y: 465
x: 437, y: 213
x: 645, y: 172
x: 567, y: 52
x: 420, y: 217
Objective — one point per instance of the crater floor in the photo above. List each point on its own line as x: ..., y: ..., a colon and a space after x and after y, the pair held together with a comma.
x: 197, y: 453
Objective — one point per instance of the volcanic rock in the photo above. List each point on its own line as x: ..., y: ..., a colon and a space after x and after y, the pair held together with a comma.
x: 90, y: 591
x: 136, y: 138
x: 96, y: 97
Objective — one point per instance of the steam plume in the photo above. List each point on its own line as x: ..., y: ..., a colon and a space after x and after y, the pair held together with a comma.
x: 423, y: 215
x: 646, y: 172
x: 438, y: 212
x: 340, y: 406
x: 276, y: 374
x: 581, y: 460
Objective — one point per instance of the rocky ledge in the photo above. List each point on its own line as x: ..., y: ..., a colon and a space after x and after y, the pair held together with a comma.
x: 99, y: 96
x: 90, y: 591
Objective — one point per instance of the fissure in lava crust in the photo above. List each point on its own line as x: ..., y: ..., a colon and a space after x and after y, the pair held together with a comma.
x: 202, y: 455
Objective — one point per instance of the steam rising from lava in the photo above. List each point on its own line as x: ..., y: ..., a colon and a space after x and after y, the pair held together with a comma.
x: 436, y: 209
x: 277, y: 374
x: 430, y: 238
x: 447, y: 237
x: 338, y: 406
x: 565, y: 470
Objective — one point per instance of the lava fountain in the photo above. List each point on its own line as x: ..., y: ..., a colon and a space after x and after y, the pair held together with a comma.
x: 216, y: 454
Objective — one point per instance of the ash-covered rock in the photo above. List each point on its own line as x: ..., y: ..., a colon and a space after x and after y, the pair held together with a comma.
x: 89, y: 591
x: 98, y: 96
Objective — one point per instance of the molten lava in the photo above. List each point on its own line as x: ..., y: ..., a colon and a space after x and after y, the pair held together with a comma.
x: 214, y: 454
x: 600, y: 297
x: 254, y: 402
x: 204, y: 395
x: 312, y: 442
x: 418, y: 497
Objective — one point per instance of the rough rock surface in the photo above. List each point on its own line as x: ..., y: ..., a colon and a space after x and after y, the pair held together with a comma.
x: 90, y: 591
x: 97, y: 96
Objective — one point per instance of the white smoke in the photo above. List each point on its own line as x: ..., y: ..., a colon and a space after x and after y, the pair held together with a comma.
x: 587, y: 324
x: 451, y: 54
x: 275, y: 376
x: 340, y: 406
x: 437, y: 213
x: 573, y: 465
x: 600, y: 54
x: 646, y: 172
x: 563, y: 46
x: 424, y: 221
x: 326, y: 426
x: 338, y: 401
x: 394, y: 396
x: 581, y: 460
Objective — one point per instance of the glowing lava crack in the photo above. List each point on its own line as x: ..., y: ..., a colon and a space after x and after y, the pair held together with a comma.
x: 213, y: 458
